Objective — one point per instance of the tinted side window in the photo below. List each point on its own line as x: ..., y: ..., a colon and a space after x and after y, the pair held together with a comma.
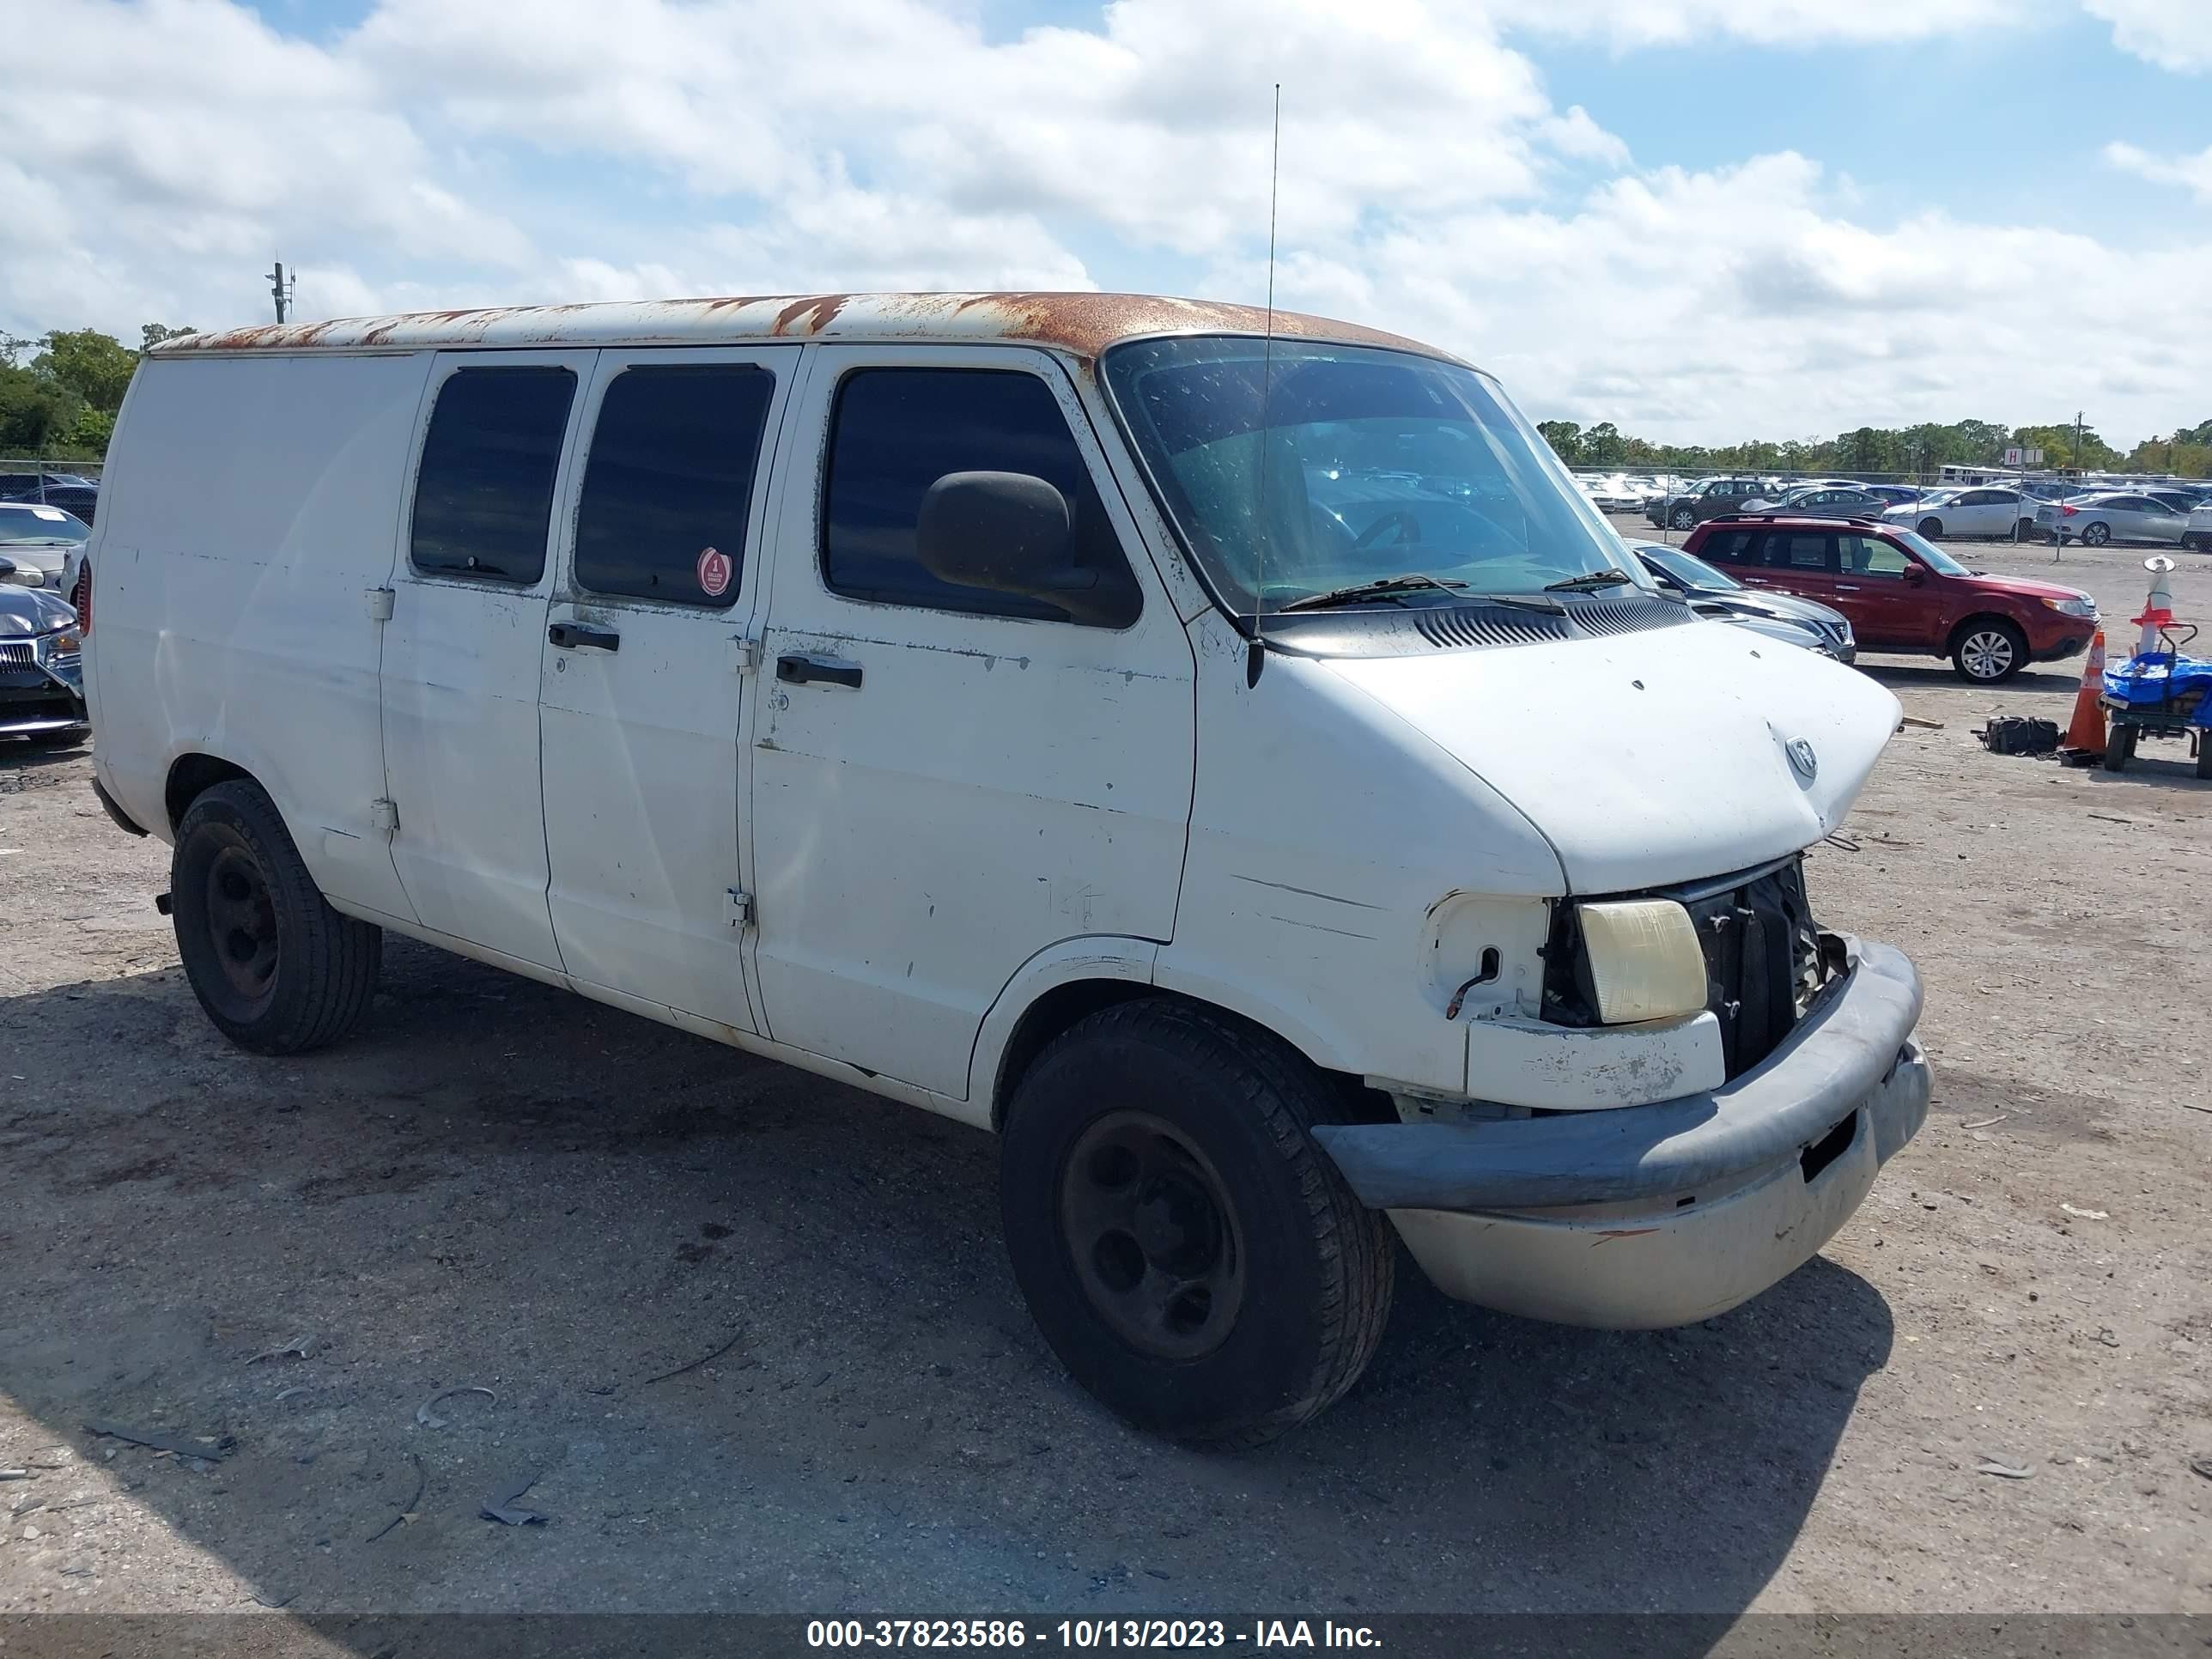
x: 669, y: 484
x: 484, y: 496
x: 1797, y: 550
x: 1732, y: 547
x: 897, y: 431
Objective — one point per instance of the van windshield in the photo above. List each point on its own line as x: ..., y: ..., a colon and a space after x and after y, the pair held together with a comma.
x: 1375, y: 463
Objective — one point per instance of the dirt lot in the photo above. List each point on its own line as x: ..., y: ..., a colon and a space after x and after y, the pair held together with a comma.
x: 499, y: 1186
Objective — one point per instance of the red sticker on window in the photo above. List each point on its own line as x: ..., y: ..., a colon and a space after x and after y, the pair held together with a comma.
x: 713, y: 573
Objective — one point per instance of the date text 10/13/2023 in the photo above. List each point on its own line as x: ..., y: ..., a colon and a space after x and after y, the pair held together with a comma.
x: 1086, y: 1633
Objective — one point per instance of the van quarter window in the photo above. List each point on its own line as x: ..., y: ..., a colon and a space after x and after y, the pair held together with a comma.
x: 671, y: 476
x: 484, y: 496
x: 897, y: 431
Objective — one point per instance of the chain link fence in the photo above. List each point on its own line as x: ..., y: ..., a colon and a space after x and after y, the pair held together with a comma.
x: 72, y: 486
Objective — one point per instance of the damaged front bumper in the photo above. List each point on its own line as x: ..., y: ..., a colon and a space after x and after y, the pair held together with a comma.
x: 1661, y: 1214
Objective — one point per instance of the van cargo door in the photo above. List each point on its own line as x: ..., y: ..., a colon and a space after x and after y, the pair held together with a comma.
x: 647, y: 672
x: 462, y: 648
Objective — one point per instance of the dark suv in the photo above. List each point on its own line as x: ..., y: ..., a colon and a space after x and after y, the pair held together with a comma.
x: 1706, y: 499
x: 1901, y: 591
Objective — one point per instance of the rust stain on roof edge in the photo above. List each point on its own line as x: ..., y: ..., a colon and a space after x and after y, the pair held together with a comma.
x: 1083, y: 323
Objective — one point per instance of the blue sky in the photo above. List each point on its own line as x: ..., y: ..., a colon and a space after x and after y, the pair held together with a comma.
x: 1701, y: 219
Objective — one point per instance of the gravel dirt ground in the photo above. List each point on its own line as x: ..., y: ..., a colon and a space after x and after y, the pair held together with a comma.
x: 753, y: 1342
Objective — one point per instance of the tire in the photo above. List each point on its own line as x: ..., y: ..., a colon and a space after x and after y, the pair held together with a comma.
x: 2023, y: 530
x: 1931, y: 528
x: 2097, y: 534
x: 2119, y: 746
x: 2205, y: 755
x: 1989, y: 651
x: 1285, y: 1278
x: 1681, y: 518
x: 277, y: 970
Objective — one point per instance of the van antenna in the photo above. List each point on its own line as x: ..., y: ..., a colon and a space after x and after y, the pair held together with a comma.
x: 1256, y: 653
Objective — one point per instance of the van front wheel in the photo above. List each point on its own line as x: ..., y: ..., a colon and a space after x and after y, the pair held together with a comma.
x: 1188, y: 1251
x: 277, y: 970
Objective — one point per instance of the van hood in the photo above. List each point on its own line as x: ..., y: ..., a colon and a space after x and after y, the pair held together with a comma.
x: 1650, y: 758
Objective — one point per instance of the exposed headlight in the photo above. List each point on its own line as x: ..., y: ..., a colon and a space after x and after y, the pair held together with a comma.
x: 67, y: 643
x: 1644, y: 959
x: 2083, y: 606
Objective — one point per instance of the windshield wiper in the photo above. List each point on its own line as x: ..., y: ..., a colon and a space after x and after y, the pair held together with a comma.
x: 1590, y: 581
x: 1380, y: 589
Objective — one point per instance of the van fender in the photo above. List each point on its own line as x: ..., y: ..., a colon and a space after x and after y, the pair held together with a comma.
x: 1093, y: 956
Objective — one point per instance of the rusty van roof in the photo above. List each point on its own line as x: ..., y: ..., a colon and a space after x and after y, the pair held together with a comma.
x: 1081, y: 323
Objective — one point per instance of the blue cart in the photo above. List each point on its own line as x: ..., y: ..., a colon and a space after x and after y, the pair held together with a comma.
x: 2159, y: 694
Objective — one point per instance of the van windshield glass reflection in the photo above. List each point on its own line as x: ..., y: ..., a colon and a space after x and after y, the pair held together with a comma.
x: 1377, y: 464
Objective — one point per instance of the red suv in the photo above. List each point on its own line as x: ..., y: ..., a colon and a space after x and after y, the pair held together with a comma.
x: 1901, y: 591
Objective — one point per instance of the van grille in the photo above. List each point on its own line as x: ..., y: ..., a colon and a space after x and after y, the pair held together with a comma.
x: 1765, y: 959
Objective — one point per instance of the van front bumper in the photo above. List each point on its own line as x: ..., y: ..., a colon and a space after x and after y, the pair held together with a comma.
x: 1661, y: 1214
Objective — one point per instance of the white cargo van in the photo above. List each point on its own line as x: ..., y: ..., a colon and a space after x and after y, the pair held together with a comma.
x: 1227, y: 756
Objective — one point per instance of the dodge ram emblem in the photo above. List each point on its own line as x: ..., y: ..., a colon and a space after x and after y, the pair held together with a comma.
x: 1802, y: 760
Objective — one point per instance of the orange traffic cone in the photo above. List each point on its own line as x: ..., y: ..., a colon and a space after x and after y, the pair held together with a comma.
x: 2086, y: 736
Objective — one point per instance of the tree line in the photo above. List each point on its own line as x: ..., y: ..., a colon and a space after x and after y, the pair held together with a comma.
x: 61, y: 402
x: 2187, y: 452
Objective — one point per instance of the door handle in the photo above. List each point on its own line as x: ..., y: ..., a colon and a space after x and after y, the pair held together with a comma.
x: 1847, y: 588
x: 571, y: 635
x: 808, y: 670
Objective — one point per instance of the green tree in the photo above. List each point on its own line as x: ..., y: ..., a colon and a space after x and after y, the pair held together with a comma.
x: 152, y: 334
x: 1565, y: 437
x: 34, y: 412
x: 1603, y: 446
x: 95, y: 367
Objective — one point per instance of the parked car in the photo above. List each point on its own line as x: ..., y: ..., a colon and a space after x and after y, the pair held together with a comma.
x: 37, y: 541
x: 1713, y: 592
x: 41, y: 672
x: 70, y: 491
x: 1706, y: 499
x: 1612, y: 493
x: 1822, y: 501
x: 2120, y: 516
x: 1262, y: 892
x: 1893, y: 495
x: 2199, y: 532
x: 2183, y: 501
x: 1904, y: 593
x: 1984, y: 510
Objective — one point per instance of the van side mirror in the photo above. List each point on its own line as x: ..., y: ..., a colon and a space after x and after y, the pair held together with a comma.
x: 1004, y: 531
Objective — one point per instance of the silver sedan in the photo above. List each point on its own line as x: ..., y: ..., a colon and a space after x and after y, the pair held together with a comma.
x: 2119, y: 516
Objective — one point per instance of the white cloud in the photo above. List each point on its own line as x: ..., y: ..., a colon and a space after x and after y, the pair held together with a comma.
x: 2175, y: 35
x: 1626, y: 24
x: 2191, y: 173
x: 461, y: 152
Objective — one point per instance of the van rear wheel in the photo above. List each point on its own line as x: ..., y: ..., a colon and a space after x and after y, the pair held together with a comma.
x: 1191, y: 1254
x: 277, y: 970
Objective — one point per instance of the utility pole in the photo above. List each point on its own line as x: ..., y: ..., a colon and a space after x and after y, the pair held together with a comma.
x: 281, y: 284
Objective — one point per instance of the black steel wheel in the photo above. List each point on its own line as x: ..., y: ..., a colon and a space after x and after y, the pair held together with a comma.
x: 1932, y: 528
x: 275, y: 968
x: 1187, y: 1249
